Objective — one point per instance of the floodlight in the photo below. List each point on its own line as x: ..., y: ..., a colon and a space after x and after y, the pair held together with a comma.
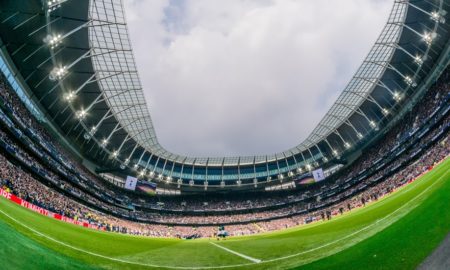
x: 69, y: 96
x: 81, y: 114
x: 104, y: 142
x: 418, y: 60
x: 438, y: 16
x: 410, y: 81
x: 57, y: 73
x: 54, y: 4
x: 53, y: 40
x: 335, y: 152
x: 397, y: 96
x: 429, y: 37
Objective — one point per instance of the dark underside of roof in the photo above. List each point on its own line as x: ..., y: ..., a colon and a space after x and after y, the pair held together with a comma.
x: 23, y: 28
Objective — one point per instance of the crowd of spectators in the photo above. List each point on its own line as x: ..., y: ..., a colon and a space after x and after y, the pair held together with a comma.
x: 63, y: 197
x: 25, y: 186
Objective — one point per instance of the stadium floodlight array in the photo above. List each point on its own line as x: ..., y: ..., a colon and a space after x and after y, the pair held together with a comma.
x: 53, y: 40
x: 58, y: 73
x: 81, y: 114
x: 104, y: 142
x: 308, y: 167
x: 418, y: 59
x: 70, y: 96
x: 397, y: 96
x: 52, y: 5
x: 438, y: 16
x: 347, y: 145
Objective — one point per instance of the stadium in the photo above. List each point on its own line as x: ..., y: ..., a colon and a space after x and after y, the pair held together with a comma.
x: 85, y: 183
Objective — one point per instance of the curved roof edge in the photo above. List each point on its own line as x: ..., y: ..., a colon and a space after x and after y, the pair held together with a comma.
x: 89, y: 88
x: 119, y: 69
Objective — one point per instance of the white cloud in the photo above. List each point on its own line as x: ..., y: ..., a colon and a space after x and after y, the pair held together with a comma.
x: 244, y: 77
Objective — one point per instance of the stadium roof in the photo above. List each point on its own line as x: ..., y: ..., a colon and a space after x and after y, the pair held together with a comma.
x: 75, y: 60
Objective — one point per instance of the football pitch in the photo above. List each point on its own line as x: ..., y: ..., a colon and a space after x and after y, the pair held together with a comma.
x: 396, y: 232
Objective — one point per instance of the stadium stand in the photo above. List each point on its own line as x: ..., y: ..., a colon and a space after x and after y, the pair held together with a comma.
x: 37, y: 169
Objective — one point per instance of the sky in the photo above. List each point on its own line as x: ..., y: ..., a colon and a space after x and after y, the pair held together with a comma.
x: 246, y: 77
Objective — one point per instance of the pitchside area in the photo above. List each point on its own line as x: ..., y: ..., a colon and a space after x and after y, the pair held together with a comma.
x: 397, y: 232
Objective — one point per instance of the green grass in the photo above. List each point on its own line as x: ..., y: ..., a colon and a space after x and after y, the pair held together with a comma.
x: 397, y: 232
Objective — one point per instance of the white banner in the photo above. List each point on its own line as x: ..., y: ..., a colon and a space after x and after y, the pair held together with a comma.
x: 130, y: 183
x: 318, y: 175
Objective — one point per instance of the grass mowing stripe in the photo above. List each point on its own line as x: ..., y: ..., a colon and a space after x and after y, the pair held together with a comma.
x: 363, y: 229
x: 20, y: 252
x: 236, y: 253
x: 111, y: 258
x: 403, y: 245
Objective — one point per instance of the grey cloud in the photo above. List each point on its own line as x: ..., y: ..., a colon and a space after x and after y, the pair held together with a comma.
x: 246, y: 77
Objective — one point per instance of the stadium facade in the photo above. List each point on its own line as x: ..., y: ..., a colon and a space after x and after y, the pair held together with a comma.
x: 72, y: 64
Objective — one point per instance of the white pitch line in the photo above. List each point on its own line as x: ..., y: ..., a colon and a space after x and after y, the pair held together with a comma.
x: 362, y: 229
x: 236, y: 253
x: 116, y: 259
x: 220, y: 266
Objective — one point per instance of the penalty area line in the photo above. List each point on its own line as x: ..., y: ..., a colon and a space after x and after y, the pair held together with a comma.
x: 236, y: 253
